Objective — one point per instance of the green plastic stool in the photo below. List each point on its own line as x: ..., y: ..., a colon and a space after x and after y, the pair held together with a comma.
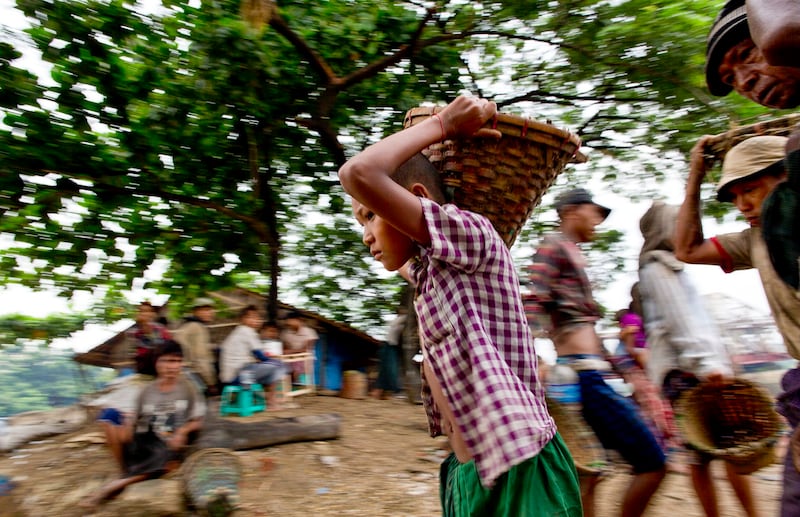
x: 242, y: 400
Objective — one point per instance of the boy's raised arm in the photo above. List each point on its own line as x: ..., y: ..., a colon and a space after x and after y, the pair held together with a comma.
x: 367, y: 176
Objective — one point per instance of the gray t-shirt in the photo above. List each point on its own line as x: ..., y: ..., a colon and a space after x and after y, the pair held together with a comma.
x: 164, y: 412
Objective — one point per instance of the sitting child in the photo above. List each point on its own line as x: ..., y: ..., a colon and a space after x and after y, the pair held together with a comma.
x: 151, y: 442
x: 480, y: 383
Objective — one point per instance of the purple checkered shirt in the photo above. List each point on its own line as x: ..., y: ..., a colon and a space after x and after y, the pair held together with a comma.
x: 476, y: 339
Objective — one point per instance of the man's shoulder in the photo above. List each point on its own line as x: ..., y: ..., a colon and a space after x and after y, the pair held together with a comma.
x: 552, y: 244
x: 238, y: 332
x: 552, y: 240
x: 190, y: 327
x: 188, y: 388
x: 742, y: 239
x: 191, y: 323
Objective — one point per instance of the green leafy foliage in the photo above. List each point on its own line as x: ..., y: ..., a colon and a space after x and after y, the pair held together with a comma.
x: 16, y: 328
x: 33, y: 378
x: 189, y: 136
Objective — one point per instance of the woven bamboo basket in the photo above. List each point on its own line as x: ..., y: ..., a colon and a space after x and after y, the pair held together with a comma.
x: 719, y: 145
x: 502, y: 179
x: 211, y: 477
x: 735, y: 421
x: 587, y: 451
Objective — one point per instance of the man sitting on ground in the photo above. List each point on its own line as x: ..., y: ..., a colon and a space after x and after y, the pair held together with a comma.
x: 151, y: 442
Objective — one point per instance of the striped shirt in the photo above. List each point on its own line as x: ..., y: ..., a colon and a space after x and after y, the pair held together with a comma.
x: 476, y: 340
x: 561, y: 294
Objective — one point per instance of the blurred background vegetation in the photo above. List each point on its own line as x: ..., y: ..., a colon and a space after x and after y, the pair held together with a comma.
x: 35, y: 378
x: 193, y: 145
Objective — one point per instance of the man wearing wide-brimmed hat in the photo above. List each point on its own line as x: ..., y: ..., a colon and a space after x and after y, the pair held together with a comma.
x: 195, y: 338
x: 734, y: 62
x: 751, y: 171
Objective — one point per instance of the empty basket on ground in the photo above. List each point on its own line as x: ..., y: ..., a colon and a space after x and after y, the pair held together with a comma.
x: 503, y: 179
x: 735, y: 421
x: 587, y: 451
x: 211, y: 478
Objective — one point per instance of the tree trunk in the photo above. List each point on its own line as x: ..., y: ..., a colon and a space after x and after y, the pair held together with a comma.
x: 411, y: 378
x: 230, y: 434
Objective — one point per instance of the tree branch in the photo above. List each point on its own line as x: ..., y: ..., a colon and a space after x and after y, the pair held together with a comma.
x: 328, y: 135
x: 405, y: 50
x: 696, y: 93
x: 315, y: 60
x: 261, y: 229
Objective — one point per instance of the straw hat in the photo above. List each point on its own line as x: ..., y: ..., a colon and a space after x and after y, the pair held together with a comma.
x: 748, y: 159
x: 202, y: 302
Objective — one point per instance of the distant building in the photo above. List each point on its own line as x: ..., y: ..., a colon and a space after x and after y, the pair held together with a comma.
x: 751, y: 336
x: 340, y: 347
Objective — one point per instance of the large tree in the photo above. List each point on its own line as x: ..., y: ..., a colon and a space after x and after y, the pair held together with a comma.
x: 208, y: 133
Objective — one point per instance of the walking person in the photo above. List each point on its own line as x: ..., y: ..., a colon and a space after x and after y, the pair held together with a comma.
x: 751, y: 171
x: 686, y: 347
x: 561, y: 299
x: 479, y: 369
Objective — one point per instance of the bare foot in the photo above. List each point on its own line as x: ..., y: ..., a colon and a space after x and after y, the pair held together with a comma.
x: 275, y: 403
x: 108, y: 491
x: 90, y: 503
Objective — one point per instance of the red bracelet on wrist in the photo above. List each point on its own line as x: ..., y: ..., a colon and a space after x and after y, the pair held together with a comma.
x: 441, y: 125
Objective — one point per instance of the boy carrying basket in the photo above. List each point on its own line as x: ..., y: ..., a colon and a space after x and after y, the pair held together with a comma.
x: 480, y: 384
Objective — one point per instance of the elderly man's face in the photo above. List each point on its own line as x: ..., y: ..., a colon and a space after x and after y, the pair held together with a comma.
x: 744, y: 68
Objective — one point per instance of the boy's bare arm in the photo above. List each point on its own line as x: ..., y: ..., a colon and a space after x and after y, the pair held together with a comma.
x: 367, y: 176
x: 690, y: 244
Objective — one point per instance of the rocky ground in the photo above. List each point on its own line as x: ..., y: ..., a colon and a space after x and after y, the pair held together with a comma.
x: 383, y: 464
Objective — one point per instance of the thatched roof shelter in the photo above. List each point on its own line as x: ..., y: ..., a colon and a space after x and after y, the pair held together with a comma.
x: 352, y: 348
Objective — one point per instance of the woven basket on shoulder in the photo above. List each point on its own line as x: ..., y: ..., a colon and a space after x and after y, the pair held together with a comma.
x: 719, y: 145
x: 502, y: 179
x: 211, y: 478
x: 587, y: 451
x: 735, y: 421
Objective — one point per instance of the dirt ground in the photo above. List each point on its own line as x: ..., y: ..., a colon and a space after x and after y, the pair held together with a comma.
x: 383, y: 464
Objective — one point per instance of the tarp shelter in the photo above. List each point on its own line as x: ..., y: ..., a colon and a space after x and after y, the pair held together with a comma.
x: 340, y: 347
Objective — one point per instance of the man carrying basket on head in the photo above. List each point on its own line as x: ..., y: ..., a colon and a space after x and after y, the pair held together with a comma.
x: 480, y: 384
x: 751, y: 171
x: 561, y: 300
